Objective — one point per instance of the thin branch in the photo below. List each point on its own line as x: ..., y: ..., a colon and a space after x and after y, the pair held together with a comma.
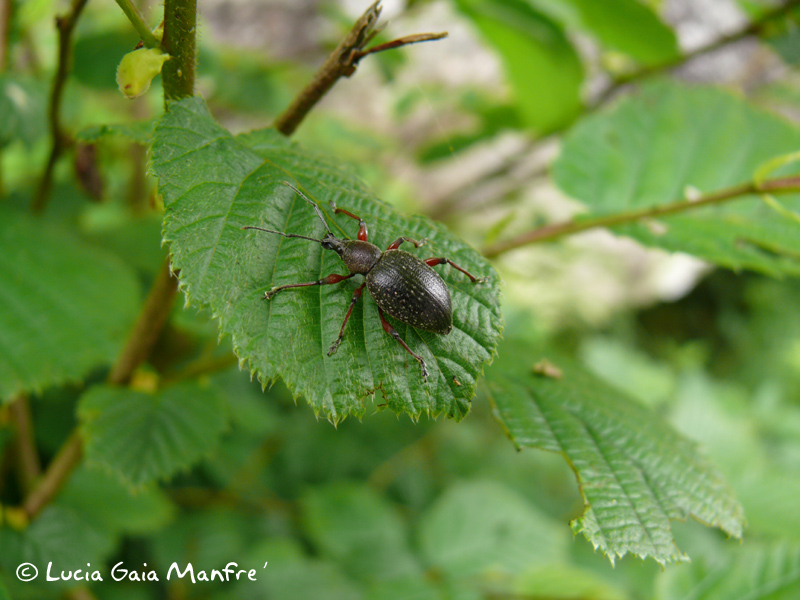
x: 66, y: 26
x: 753, y: 28
x: 551, y: 232
x: 57, y: 473
x: 28, y: 465
x: 342, y: 62
x: 152, y: 318
x: 403, y: 41
x: 6, y: 11
x: 136, y: 19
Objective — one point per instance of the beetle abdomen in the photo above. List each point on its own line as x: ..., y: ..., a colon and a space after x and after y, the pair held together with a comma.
x: 410, y: 291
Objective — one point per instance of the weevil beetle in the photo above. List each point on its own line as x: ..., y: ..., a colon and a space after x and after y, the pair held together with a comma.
x: 402, y: 285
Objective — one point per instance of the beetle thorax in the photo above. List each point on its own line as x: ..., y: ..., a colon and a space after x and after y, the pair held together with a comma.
x: 358, y: 256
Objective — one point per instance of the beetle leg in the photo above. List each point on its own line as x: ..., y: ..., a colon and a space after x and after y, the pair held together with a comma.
x: 356, y: 295
x: 391, y: 331
x: 330, y: 279
x: 437, y: 261
x: 396, y: 244
x: 362, y: 225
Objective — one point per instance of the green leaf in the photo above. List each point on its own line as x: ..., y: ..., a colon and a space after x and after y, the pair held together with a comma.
x: 753, y: 571
x: 629, y: 27
x: 104, y: 500
x: 359, y: 529
x: 482, y: 527
x: 565, y: 581
x: 141, y: 437
x: 59, y: 535
x: 635, y: 473
x: 214, y: 184
x: 541, y: 65
x: 67, y: 306
x: 654, y: 146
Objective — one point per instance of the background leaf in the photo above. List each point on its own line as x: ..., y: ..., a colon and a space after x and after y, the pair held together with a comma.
x: 361, y: 529
x: 541, y: 65
x: 635, y: 473
x: 22, y: 104
x: 141, y: 437
x: 60, y: 535
x: 666, y: 138
x: 756, y: 570
x: 505, y: 533
x: 628, y: 26
x: 67, y: 306
x: 213, y: 184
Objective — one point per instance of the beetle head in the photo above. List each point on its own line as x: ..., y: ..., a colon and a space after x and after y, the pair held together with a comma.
x: 330, y: 242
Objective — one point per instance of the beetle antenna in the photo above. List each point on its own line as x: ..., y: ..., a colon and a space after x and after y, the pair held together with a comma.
x: 312, y: 203
x: 288, y: 235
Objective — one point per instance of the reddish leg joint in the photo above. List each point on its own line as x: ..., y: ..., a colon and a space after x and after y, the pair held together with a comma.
x: 396, y: 244
x: 330, y: 279
x: 362, y: 226
x: 391, y: 331
x: 437, y: 261
x: 356, y: 296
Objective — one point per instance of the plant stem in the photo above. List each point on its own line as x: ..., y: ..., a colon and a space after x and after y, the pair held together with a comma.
x: 148, y: 326
x: 56, y: 475
x: 66, y: 26
x: 6, y: 11
x: 140, y: 343
x: 551, y: 232
x: 136, y: 19
x: 342, y: 62
x: 180, y: 28
x: 28, y: 465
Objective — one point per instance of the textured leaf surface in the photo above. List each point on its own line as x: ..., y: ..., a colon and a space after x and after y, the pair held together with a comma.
x: 142, y: 437
x: 634, y: 472
x: 541, y: 65
x: 213, y: 184
x: 65, y: 307
x: 653, y: 146
x: 754, y: 571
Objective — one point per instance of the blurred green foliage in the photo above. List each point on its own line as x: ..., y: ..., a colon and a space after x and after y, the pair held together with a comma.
x: 192, y: 462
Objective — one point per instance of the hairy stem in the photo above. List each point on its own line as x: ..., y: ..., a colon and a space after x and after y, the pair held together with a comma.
x: 66, y: 26
x: 136, y: 19
x: 551, y: 232
x: 342, y: 62
x: 180, y: 28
